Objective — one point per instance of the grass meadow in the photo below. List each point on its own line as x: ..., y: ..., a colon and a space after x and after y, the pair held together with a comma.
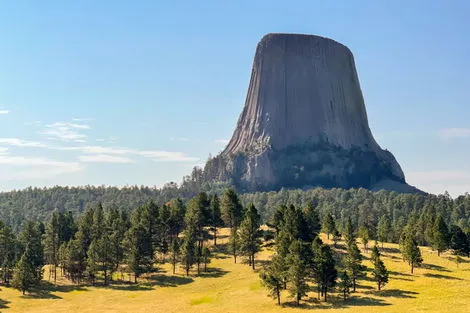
x: 438, y: 286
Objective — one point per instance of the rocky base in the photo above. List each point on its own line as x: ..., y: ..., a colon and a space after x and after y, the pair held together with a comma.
x: 309, y: 165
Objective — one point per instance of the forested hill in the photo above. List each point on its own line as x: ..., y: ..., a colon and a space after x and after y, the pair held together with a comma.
x: 361, y: 205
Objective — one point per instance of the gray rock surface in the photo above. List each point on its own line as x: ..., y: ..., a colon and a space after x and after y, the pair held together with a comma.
x: 304, y: 122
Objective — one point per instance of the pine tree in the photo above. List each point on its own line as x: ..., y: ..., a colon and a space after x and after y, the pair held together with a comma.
x: 329, y: 225
x: 52, y: 243
x: 30, y: 239
x: 364, y: 235
x: 234, y: 243
x: 410, y: 251
x: 380, y: 273
x: 313, y: 220
x: 216, y: 220
x: 206, y: 257
x: 383, y: 229
x: 375, y: 254
x: 231, y: 208
x: 175, y: 251
x: 440, y: 235
x: 7, y: 252
x: 345, y: 284
x: 92, y: 261
x: 137, y: 244
x: 272, y: 277
x: 250, y: 234
x: 336, y: 238
x: 24, y: 274
x: 296, y: 271
x: 353, y: 263
x: 348, y: 233
x: 459, y: 242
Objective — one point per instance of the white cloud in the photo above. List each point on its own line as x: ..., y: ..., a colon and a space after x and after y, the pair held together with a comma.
x: 221, y: 141
x: 449, y: 133
x: 3, y: 150
x: 4, y: 112
x: 179, y: 139
x: 21, y: 143
x: 154, y: 155
x: 66, y: 131
x: 104, y: 158
x: 27, y: 168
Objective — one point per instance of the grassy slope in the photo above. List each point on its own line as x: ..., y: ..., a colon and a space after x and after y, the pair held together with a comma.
x: 438, y: 287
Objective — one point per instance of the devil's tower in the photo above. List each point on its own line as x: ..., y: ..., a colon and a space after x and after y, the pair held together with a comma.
x: 304, y: 123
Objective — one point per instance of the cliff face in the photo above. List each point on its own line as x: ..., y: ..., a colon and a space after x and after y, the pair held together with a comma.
x: 304, y: 122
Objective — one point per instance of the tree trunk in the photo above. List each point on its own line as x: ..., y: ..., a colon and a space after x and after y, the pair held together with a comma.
x: 354, y: 284
x: 325, y: 294
x: 298, y: 298
x: 378, y: 285
x: 253, y: 262
x: 215, y: 236
x: 278, y: 292
x: 438, y: 252
x: 412, y: 267
x: 55, y: 274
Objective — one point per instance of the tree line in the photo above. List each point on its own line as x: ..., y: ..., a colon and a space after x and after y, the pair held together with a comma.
x: 303, y: 262
x: 103, y: 242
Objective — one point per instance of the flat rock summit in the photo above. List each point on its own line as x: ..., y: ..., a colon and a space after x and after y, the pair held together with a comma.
x: 304, y: 123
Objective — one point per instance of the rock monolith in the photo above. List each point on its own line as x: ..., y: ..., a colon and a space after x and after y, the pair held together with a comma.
x: 304, y: 123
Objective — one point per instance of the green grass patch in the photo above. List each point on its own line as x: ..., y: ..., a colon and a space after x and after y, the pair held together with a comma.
x: 202, y: 300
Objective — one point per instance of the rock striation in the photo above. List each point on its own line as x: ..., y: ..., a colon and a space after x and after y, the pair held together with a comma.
x: 304, y: 123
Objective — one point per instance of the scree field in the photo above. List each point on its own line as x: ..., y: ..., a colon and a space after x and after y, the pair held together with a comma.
x: 438, y: 286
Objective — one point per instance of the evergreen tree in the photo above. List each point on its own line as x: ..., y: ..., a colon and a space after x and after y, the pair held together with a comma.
x: 297, y: 271
x: 383, y: 229
x: 380, y: 273
x: 175, y: 251
x: 375, y: 254
x: 348, y: 232
x: 326, y: 266
x: 329, y: 225
x: 137, y: 244
x: 206, y: 257
x: 25, y: 274
x: 176, y: 220
x: 313, y: 220
x: 52, y: 243
x: 459, y: 242
x: 353, y: 263
x: 364, y: 235
x: 410, y: 251
x: 345, y: 284
x: 272, y: 277
x: 30, y: 239
x: 92, y: 266
x: 250, y: 234
x: 7, y: 252
x: 440, y: 235
x: 231, y: 208
x: 234, y: 243
x: 216, y: 220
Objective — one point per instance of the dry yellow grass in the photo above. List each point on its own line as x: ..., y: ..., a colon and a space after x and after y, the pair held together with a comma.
x: 438, y: 287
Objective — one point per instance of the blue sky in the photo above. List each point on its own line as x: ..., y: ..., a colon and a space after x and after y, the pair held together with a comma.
x: 138, y: 92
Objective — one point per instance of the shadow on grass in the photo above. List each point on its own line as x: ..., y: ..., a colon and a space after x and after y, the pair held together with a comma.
x: 434, y: 267
x: 394, y: 273
x: 4, y: 304
x: 440, y: 276
x: 389, y: 250
x: 130, y: 287
x: 335, y: 302
x: 393, y: 293
x: 213, y: 272
x: 167, y: 281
